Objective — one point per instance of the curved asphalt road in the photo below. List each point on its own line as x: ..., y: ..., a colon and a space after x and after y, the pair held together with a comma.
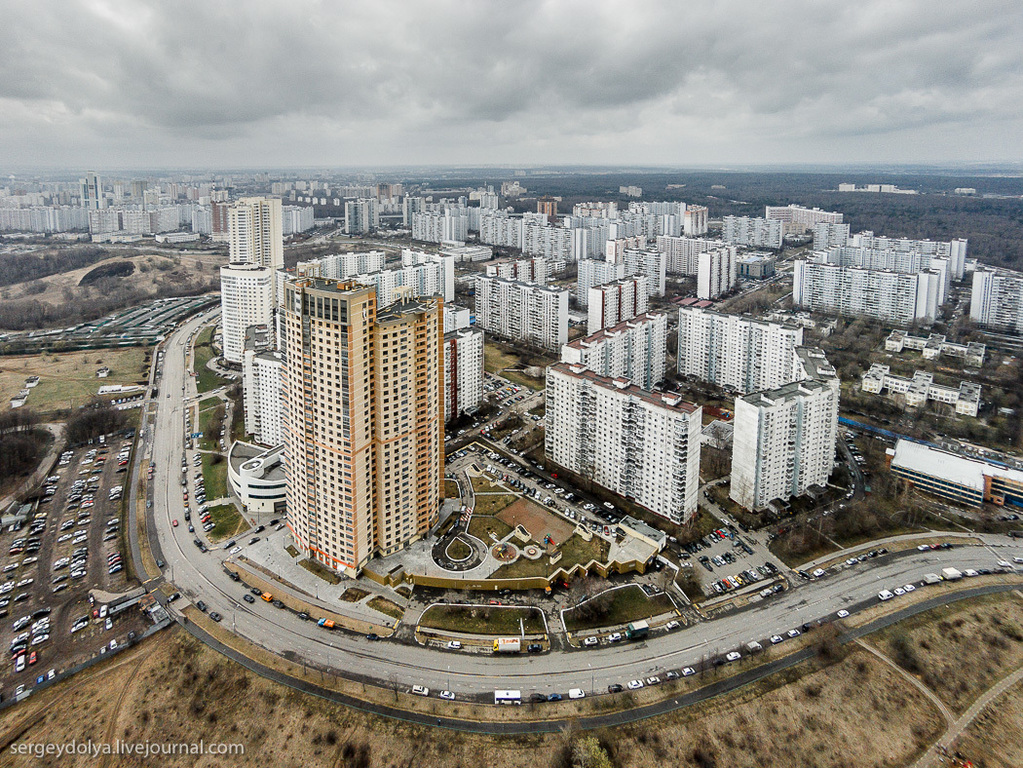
x: 623, y: 717
x: 475, y: 676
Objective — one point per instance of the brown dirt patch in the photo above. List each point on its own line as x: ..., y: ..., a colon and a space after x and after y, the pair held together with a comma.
x: 537, y: 520
x: 988, y: 632
x: 993, y: 739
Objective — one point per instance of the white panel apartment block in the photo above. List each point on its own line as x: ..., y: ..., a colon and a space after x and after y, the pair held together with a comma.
x: 246, y: 298
x: 611, y: 303
x: 521, y: 311
x: 717, y: 272
x: 997, y: 299
x: 635, y: 349
x: 783, y: 442
x: 641, y: 445
x: 463, y: 371
x: 734, y: 352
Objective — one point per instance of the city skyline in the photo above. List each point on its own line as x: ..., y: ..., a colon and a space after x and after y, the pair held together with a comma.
x: 90, y: 85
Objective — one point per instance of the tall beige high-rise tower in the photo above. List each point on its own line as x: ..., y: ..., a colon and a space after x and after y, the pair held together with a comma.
x: 363, y: 405
x: 256, y: 232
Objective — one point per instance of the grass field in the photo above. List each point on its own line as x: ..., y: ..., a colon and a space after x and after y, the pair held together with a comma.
x: 615, y: 608
x: 482, y: 524
x: 209, y: 426
x: 933, y: 645
x: 69, y: 379
x: 386, y: 607
x: 206, y: 379
x: 492, y: 504
x: 319, y: 569
x: 227, y: 522
x: 458, y: 550
x: 353, y: 595
x: 483, y: 619
x: 483, y: 485
x: 496, y: 359
x: 450, y: 489
x: 214, y: 477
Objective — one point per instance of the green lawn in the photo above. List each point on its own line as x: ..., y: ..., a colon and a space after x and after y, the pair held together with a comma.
x: 215, y: 477
x: 483, y: 620
x: 491, y: 504
x: 386, y: 607
x: 204, y: 352
x: 319, y: 569
x: 227, y: 522
x: 617, y: 607
x: 458, y: 550
x: 210, y: 426
x: 482, y: 485
x: 479, y: 525
x: 68, y: 379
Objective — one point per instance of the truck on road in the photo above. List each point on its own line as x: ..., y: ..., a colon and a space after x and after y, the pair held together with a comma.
x: 507, y: 645
x: 637, y: 630
x: 951, y: 574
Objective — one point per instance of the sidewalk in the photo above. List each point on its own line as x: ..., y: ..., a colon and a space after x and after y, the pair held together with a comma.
x: 860, y: 548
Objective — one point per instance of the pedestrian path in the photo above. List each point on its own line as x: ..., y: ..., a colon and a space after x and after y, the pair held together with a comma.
x: 933, y: 755
x: 945, y: 711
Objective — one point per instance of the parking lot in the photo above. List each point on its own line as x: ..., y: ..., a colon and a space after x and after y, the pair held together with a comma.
x: 69, y: 544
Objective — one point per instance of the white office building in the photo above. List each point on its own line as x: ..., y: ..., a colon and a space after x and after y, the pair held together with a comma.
x: 635, y: 349
x: 752, y: 232
x: 735, y: 352
x: 642, y: 445
x: 522, y: 311
x: 717, y: 272
x: 783, y: 442
x: 246, y: 298
x: 997, y: 299
x: 611, y: 303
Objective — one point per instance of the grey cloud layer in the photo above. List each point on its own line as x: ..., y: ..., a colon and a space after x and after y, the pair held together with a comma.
x: 657, y: 82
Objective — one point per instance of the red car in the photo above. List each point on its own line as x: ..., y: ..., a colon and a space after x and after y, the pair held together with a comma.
x: 32, y: 658
x: 174, y: 523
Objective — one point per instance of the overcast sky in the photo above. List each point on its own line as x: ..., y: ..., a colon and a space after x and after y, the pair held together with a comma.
x: 267, y: 84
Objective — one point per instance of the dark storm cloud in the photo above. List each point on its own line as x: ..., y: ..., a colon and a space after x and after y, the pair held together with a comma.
x: 336, y: 82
